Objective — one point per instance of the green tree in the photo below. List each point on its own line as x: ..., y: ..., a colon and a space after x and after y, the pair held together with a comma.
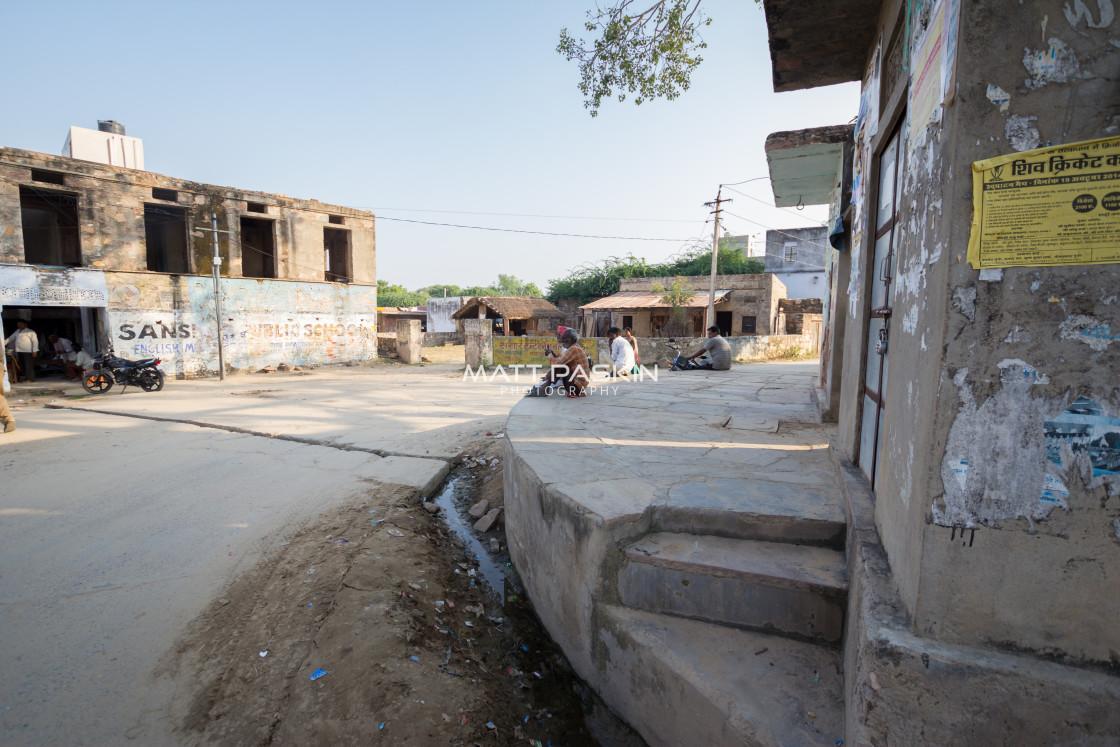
x: 648, y: 54
x: 676, y: 296
x: 508, y: 285
x: 398, y: 295
x: 596, y: 281
x: 439, y: 291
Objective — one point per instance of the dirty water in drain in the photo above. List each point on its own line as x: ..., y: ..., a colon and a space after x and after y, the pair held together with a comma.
x: 562, y: 691
x: 453, y: 500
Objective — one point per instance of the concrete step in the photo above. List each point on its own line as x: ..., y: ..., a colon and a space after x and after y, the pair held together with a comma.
x: 685, y: 682
x: 740, y: 524
x: 801, y: 505
x: 794, y: 590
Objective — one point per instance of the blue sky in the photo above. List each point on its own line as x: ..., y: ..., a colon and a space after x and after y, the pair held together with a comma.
x: 417, y: 106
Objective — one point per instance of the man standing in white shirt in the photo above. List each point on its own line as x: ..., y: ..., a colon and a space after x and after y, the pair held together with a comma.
x: 25, y: 344
x: 622, y: 353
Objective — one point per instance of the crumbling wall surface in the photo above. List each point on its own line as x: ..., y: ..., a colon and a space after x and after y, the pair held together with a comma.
x: 902, y: 688
x: 984, y: 364
x: 264, y: 322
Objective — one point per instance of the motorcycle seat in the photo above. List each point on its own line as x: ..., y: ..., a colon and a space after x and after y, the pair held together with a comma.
x: 144, y: 362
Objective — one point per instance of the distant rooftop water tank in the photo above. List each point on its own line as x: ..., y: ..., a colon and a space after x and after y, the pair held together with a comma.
x: 110, y: 125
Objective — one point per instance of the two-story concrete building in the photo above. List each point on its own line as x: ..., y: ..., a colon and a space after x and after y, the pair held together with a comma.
x: 109, y: 255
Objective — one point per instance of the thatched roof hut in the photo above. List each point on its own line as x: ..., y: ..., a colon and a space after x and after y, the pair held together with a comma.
x: 520, y: 315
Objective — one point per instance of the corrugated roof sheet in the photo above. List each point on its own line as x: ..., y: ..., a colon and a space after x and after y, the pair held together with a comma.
x: 643, y: 300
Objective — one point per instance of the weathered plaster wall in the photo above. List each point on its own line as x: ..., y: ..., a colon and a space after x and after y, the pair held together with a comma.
x: 111, y: 218
x: 439, y: 314
x: 978, y: 362
x: 751, y: 295
x: 264, y: 322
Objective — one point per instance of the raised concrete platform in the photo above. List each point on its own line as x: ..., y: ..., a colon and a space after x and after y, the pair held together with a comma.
x: 737, y: 461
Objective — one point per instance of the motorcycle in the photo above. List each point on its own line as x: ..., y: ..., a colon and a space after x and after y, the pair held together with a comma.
x: 109, y: 369
x: 680, y: 362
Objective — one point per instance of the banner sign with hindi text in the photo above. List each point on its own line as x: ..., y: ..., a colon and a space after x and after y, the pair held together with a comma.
x: 1051, y: 206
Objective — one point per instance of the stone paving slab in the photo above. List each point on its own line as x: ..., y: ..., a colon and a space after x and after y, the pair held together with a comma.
x: 744, y: 440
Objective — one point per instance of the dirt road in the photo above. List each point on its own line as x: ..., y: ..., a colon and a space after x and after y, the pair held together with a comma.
x: 118, y: 530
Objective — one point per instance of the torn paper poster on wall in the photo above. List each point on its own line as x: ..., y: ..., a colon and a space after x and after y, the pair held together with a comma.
x: 1084, y: 428
x: 999, y: 97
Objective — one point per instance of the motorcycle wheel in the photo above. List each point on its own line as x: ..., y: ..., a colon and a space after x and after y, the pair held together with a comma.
x: 151, y: 379
x: 97, y: 381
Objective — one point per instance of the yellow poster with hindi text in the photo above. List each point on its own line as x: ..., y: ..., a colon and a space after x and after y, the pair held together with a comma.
x: 1045, y: 207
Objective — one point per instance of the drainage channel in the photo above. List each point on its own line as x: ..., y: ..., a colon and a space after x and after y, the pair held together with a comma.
x: 453, y: 501
x: 563, y: 691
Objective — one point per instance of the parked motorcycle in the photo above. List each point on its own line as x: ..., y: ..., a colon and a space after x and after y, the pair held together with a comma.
x: 680, y: 362
x: 109, y: 369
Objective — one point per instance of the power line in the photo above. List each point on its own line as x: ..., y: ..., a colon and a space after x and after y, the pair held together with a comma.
x: 531, y: 215
x: 778, y: 230
x: 521, y: 230
x: 767, y: 204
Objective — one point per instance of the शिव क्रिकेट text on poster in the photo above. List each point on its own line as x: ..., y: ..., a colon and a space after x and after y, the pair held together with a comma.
x: 1051, y: 206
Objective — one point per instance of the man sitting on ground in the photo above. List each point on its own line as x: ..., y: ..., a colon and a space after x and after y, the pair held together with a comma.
x: 570, y: 368
x: 718, y: 348
x: 622, y: 353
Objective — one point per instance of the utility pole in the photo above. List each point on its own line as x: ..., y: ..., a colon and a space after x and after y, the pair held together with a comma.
x: 216, y: 266
x: 715, y: 256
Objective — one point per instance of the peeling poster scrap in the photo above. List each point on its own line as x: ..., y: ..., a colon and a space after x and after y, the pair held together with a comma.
x: 1085, y: 429
x: 1051, y: 206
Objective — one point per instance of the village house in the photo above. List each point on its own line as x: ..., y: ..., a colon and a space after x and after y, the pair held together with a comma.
x: 511, y: 315
x: 969, y: 358
x: 746, y: 305
x: 110, y: 255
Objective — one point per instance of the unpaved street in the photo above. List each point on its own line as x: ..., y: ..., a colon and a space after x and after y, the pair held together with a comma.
x: 118, y: 531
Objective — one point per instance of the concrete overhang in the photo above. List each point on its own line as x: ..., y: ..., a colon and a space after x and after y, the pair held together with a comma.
x: 819, y: 42
x: 804, y: 163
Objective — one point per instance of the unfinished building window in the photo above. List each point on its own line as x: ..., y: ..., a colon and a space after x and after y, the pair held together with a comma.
x: 336, y: 251
x: 748, y: 325
x: 50, y: 227
x: 165, y: 234
x: 256, y: 207
x: 258, y: 248
x: 170, y: 195
x: 790, y: 251
x: 335, y: 219
x: 47, y: 177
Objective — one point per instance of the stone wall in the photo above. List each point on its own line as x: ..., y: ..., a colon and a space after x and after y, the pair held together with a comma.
x: 111, y: 227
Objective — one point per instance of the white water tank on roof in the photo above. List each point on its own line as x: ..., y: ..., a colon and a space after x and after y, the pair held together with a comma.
x: 108, y: 145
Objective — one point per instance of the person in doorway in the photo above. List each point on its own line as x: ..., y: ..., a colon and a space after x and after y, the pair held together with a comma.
x: 25, y: 344
x: 622, y: 353
x: 77, y: 362
x: 570, y: 369
x: 629, y: 336
x: 61, y: 347
x: 718, y: 348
